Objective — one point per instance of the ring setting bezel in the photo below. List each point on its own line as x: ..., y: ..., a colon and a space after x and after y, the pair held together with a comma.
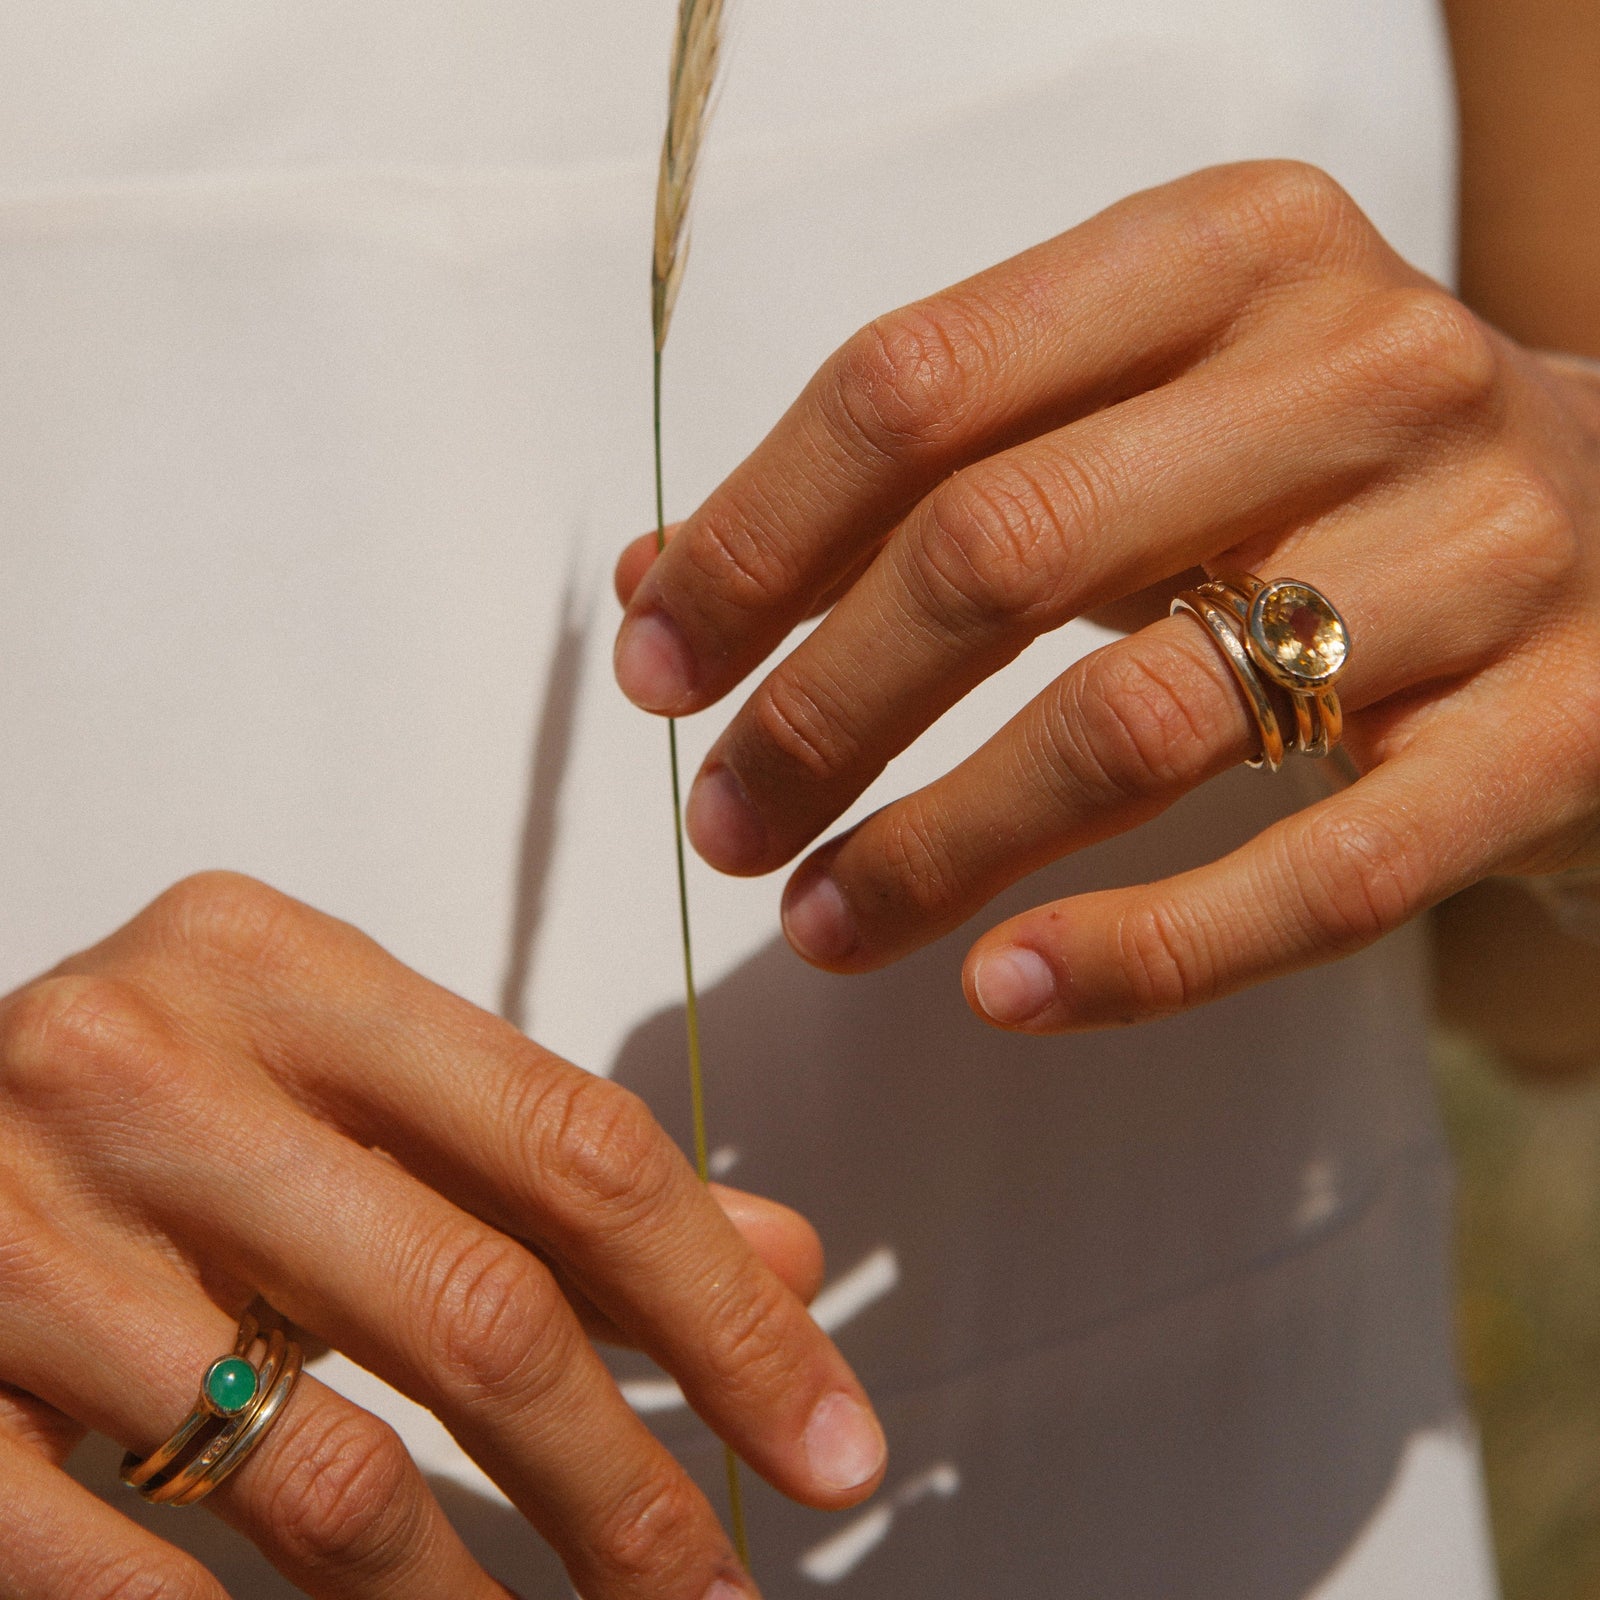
x: 1295, y: 636
x: 230, y: 1384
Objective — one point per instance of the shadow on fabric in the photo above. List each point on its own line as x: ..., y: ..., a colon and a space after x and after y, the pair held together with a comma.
x: 1166, y: 1303
x: 1146, y: 1312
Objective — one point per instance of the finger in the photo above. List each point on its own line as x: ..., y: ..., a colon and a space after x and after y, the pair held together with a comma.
x: 119, y: 1340
x: 1133, y: 726
x: 1319, y: 885
x: 467, y: 1322
x: 1116, y: 739
x: 1247, y: 447
x: 542, y: 1151
x: 1128, y: 300
x: 781, y: 1238
x: 452, y: 1313
x: 40, y: 1427
x: 640, y: 555
x: 636, y: 559
x: 61, y: 1543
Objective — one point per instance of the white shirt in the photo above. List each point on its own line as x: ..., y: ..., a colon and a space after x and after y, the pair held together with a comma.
x: 325, y: 334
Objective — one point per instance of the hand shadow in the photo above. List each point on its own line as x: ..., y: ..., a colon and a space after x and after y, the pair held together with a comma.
x: 1162, y: 1306
x: 1145, y: 1312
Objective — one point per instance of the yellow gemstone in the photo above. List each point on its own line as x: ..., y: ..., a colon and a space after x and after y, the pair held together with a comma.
x: 1299, y: 638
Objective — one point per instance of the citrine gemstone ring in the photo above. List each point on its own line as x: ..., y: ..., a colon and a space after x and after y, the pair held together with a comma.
x: 1288, y: 634
x: 1293, y: 633
x: 239, y: 1401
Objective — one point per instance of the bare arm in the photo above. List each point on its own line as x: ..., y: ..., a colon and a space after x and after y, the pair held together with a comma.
x: 1528, y: 74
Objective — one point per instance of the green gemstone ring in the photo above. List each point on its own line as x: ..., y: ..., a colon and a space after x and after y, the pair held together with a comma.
x: 238, y: 1402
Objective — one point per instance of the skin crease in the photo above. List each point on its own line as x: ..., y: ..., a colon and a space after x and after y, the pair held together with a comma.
x: 1238, y: 351
x: 235, y: 1093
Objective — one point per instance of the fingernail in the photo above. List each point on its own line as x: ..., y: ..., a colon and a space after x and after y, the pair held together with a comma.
x: 723, y: 1590
x: 653, y: 665
x: 723, y: 825
x: 1013, y: 985
x: 844, y: 1444
x: 818, y: 923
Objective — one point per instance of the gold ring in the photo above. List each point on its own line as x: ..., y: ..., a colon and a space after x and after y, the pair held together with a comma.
x: 239, y: 1401
x: 1299, y: 641
x: 1218, y: 623
x: 1294, y: 633
x: 1318, y: 716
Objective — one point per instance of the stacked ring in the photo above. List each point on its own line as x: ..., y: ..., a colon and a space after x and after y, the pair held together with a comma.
x: 239, y: 1401
x: 1291, y: 635
x: 1219, y: 624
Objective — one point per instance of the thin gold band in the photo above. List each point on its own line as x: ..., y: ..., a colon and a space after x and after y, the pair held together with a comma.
x: 1216, y: 622
x: 208, y: 1446
x: 135, y: 1473
x: 230, y: 1450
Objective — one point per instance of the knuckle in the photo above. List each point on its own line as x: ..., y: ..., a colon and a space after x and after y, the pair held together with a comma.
x: 601, y: 1155
x: 1167, y: 961
x: 229, y: 918
x: 71, y: 1038
x: 348, y: 1491
x: 918, y: 861
x: 808, y: 729
x: 1359, y: 877
x: 1296, y: 211
x: 1531, y: 540
x: 1142, y: 733
x: 493, y: 1318
x: 733, y: 555
x: 753, y: 1343
x: 644, y: 1540
x: 995, y: 540
x: 909, y: 379
x: 1433, y: 353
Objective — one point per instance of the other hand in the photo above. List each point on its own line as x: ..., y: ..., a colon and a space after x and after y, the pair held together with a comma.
x: 236, y: 1094
x: 1232, y: 371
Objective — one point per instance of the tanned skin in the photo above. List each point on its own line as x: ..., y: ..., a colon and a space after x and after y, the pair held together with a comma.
x: 1528, y: 78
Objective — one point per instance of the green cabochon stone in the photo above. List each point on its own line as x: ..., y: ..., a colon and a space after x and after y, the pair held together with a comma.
x: 231, y: 1385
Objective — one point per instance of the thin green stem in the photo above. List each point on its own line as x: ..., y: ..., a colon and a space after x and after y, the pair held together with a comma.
x: 691, y: 997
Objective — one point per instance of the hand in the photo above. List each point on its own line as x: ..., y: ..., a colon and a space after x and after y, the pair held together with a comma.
x: 236, y: 1094
x: 1232, y: 371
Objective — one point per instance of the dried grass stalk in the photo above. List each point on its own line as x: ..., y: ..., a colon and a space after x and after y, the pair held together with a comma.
x: 695, y: 53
